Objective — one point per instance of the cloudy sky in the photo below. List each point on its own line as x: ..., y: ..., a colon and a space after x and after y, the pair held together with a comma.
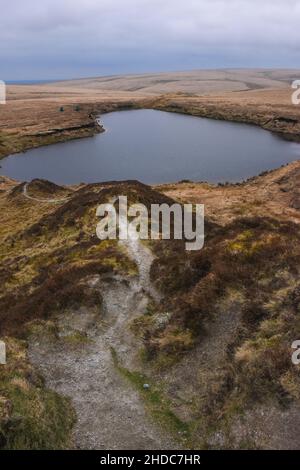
x: 76, y: 38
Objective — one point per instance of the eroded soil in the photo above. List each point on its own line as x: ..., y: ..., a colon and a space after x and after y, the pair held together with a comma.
x: 110, y: 413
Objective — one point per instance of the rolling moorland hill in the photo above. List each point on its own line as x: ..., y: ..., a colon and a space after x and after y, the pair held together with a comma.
x: 88, y: 324
x: 43, y: 114
x: 210, y: 332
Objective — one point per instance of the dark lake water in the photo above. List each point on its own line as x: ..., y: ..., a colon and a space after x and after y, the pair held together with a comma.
x: 156, y: 147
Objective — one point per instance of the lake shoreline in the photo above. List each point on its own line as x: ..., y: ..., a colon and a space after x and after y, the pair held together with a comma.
x: 148, y: 145
x: 87, y: 125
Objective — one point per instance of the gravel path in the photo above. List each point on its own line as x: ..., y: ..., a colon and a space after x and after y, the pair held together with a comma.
x: 32, y: 198
x: 110, y: 412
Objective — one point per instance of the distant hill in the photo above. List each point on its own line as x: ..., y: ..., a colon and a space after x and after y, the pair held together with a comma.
x: 196, y: 81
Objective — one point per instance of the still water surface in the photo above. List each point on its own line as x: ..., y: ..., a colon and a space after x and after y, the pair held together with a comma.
x: 156, y: 147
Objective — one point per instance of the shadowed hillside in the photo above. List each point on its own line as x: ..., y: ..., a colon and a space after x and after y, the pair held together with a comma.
x: 210, y: 332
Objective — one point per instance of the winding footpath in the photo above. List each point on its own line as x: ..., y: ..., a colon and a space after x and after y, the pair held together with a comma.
x: 110, y: 413
x: 54, y: 201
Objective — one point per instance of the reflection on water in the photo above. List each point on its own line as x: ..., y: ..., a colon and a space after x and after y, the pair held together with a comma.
x: 156, y: 147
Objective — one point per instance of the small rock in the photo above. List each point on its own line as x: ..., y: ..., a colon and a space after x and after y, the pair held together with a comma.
x: 295, y: 203
x: 146, y: 386
x: 5, y: 408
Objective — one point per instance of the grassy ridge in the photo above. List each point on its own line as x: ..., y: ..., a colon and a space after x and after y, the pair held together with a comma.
x: 31, y: 417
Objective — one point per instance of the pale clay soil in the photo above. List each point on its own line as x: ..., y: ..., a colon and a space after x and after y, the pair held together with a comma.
x: 110, y: 413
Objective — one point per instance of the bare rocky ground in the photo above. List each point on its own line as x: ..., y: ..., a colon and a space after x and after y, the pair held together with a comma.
x: 110, y: 413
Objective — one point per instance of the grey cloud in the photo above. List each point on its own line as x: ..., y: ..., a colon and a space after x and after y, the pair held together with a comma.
x: 83, y: 37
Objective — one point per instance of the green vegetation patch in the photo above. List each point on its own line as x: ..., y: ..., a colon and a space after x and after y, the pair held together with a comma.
x: 31, y: 416
x: 156, y: 402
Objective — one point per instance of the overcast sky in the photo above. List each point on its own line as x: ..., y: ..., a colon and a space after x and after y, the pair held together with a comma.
x: 76, y: 38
